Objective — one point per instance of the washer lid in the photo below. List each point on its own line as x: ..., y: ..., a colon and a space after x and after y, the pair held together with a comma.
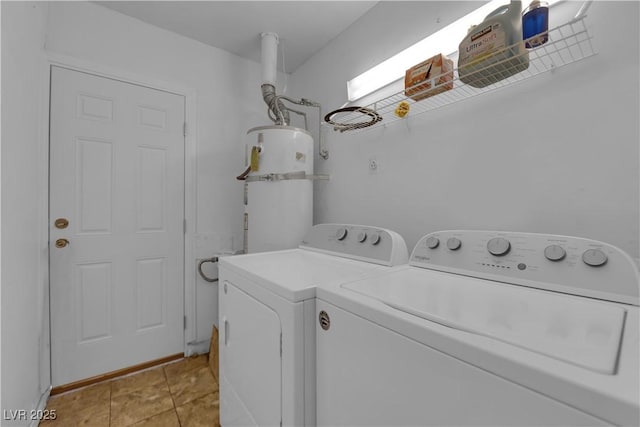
x: 576, y: 330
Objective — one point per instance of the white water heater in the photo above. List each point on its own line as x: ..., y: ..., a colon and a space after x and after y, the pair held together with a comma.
x: 279, y: 194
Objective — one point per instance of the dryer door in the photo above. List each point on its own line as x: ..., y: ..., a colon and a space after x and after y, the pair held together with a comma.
x: 250, y: 360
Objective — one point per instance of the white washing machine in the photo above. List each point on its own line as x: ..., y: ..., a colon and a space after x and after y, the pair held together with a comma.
x: 484, y: 328
x: 267, y: 319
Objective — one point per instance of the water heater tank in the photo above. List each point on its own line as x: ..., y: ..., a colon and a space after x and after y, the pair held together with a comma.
x: 279, y: 199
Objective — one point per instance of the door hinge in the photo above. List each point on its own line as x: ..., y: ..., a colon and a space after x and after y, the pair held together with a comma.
x: 184, y: 226
x: 184, y: 129
x: 281, y: 345
x: 185, y: 321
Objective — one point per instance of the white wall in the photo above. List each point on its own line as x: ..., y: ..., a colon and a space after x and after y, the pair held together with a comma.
x: 25, y: 352
x: 227, y: 103
x: 555, y: 154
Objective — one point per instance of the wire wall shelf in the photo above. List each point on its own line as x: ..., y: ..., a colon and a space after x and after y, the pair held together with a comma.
x: 567, y: 43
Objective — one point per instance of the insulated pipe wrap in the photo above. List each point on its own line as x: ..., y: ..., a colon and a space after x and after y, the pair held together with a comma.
x: 275, y: 105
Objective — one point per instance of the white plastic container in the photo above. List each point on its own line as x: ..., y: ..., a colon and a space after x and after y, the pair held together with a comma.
x: 493, y: 50
x: 279, y: 211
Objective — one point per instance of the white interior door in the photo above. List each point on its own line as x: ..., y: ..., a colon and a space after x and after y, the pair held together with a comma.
x: 117, y: 177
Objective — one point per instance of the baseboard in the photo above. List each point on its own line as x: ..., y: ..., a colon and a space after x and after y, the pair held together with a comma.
x: 114, y: 374
x: 42, y: 405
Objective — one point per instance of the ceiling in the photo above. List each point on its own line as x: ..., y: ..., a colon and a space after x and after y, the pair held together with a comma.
x: 304, y: 27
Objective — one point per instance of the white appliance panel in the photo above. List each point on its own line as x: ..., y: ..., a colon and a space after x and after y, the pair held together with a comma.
x: 361, y: 364
x: 566, y: 264
x: 294, y: 273
x: 291, y: 317
x: 251, y: 364
x: 285, y: 282
x: 519, y: 307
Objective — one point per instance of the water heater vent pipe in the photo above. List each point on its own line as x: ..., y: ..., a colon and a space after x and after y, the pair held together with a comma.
x: 269, y: 57
x: 278, y: 112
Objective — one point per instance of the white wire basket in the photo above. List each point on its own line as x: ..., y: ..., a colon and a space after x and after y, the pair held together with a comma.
x: 567, y: 43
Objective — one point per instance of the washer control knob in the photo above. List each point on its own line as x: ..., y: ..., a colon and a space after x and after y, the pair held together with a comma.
x: 375, y: 238
x: 498, y: 246
x: 341, y: 234
x: 454, y: 243
x: 432, y: 242
x: 594, y: 257
x: 554, y: 253
x: 362, y: 236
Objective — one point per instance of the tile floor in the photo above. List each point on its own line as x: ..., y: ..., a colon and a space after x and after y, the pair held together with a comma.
x: 179, y: 394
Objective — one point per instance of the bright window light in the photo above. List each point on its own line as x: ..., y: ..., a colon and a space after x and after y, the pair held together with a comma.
x: 444, y: 41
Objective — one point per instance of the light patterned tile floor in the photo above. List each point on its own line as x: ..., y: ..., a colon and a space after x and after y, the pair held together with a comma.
x: 180, y: 394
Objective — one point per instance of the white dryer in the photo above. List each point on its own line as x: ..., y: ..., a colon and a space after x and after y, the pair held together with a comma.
x: 484, y: 328
x: 267, y: 319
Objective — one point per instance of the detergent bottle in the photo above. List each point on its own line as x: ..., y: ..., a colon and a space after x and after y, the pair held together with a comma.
x: 494, y: 50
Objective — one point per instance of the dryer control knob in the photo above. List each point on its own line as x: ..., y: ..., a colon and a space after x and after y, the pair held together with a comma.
x: 594, y: 257
x: 554, y: 253
x: 375, y: 238
x: 362, y: 236
x: 432, y: 242
x: 453, y: 243
x: 498, y: 246
x: 341, y: 234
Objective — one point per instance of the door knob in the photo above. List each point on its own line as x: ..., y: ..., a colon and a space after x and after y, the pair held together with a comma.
x: 61, y: 223
x: 61, y: 243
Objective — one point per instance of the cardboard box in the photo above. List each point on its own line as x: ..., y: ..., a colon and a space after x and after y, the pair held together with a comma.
x: 429, y: 78
x: 214, y: 360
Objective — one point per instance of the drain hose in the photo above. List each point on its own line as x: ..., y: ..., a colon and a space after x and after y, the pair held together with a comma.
x: 204, y: 276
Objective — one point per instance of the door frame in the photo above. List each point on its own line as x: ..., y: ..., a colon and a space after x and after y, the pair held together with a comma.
x: 190, y: 151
